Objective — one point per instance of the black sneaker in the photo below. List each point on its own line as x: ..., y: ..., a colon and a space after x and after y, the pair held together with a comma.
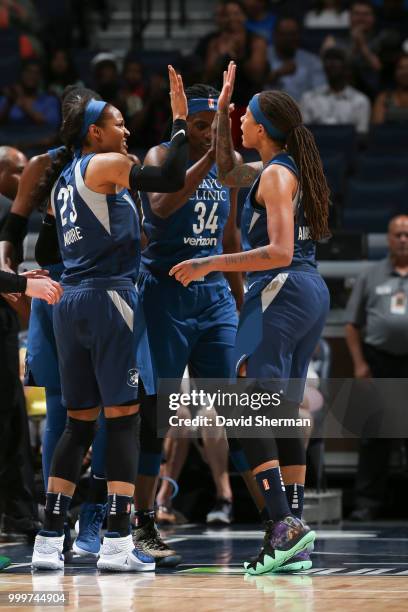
x: 149, y: 541
x: 283, y: 541
x: 221, y: 514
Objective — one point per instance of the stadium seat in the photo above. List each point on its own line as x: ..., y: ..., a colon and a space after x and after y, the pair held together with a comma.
x: 373, y: 167
x: 372, y: 197
x: 335, y: 167
x: 336, y: 139
x: 366, y: 220
x: 388, y: 139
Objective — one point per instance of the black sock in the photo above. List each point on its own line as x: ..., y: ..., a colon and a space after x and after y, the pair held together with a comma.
x: 295, y: 494
x: 143, y: 517
x: 272, y: 488
x: 56, y: 508
x: 98, y: 490
x: 119, y: 514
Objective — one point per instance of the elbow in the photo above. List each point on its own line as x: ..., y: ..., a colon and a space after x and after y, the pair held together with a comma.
x: 286, y: 257
x: 159, y: 211
x: 176, y: 184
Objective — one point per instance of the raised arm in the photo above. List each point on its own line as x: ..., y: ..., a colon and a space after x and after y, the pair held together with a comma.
x: 232, y: 244
x: 231, y: 171
x: 165, y: 204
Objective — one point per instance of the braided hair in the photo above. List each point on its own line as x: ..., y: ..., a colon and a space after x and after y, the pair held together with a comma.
x: 74, y: 101
x: 285, y: 115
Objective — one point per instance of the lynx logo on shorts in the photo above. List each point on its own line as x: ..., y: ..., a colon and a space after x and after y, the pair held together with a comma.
x: 265, y: 484
x: 133, y: 377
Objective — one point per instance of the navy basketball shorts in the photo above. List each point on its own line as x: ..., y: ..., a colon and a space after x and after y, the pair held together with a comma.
x: 280, y: 325
x: 41, y: 357
x: 102, y: 344
x: 194, y: 325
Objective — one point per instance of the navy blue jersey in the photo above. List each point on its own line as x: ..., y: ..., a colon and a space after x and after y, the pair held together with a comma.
x: 254, y: 230
x: 194, y: 230
x: 98, y: 233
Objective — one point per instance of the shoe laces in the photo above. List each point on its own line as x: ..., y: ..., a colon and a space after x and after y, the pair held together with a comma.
x: 152, y: 537
x: 94, y: 525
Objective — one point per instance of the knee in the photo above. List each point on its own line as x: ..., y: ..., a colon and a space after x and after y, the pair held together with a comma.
x: 82, y: 431
x: 123, y: 422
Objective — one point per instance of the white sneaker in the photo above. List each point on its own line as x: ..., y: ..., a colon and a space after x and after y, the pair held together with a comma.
x: 47, y: 553
x: 118, y: 554
x: 221, y: 513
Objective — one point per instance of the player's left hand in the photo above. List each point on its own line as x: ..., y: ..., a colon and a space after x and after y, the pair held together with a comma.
x: 191, y: 269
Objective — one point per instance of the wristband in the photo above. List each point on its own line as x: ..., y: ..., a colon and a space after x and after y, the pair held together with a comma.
x: 178, y: 126
x: 14, y: 229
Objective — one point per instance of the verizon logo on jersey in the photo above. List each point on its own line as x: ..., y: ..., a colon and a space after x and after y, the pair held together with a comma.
x: 200, y: 241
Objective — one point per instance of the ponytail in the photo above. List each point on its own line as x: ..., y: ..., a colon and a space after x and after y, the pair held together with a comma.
x: 42, y: 192
x: 301, y: 145
x: 285, y: 115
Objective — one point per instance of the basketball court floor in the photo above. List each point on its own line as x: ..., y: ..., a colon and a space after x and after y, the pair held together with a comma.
x: 362, y: 568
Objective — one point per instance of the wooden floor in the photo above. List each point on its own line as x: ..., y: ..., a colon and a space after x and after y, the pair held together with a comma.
x: 167, y: 593
x: 364, y: 569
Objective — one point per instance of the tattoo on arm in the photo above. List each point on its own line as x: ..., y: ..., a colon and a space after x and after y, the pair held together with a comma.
x: 198, y: 264
x: 225, y: 149
x: 234, y: 258
x: 230, y: 172
x: 243, y: 175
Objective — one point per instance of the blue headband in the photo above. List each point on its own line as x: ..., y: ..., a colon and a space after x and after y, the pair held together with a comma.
x: 259, y: 117
x: 93, y: 111
x: 197, y: 105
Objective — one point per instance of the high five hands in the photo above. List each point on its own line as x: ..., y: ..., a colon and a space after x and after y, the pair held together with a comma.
x: 177, y: 95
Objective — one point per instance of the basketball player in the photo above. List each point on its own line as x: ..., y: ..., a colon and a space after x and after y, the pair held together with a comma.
x: 287, y: 301
x: 99, y: 324
x: 195, y: 325
x: 42, y: 362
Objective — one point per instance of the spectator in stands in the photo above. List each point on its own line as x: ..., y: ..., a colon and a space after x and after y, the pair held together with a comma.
x: 204, y: 42
x: 148, y: 126
x: 106, y: 79
x: 328, y: 14
x: 261, y: 20
x: 337, y: 102
x: 21, y: 17
x: 248, y: 50
x: 392, y: 106
x: 61, y: 72
x: 362, y: 46
x: 377, y: 338
x: 25, y: 105
x: 17, y: 498
x: 292, y: 69
x: 393, y: 14
x: 133, y: 91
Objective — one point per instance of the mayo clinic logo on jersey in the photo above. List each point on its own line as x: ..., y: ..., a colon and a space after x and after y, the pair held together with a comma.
x: 207, y: 198
x: 133, y: 377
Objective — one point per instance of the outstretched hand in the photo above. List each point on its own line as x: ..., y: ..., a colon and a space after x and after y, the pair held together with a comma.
x: 39, y: 285
x: 177, y: 95
x: 224, y: 100
x: 191, y: 270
